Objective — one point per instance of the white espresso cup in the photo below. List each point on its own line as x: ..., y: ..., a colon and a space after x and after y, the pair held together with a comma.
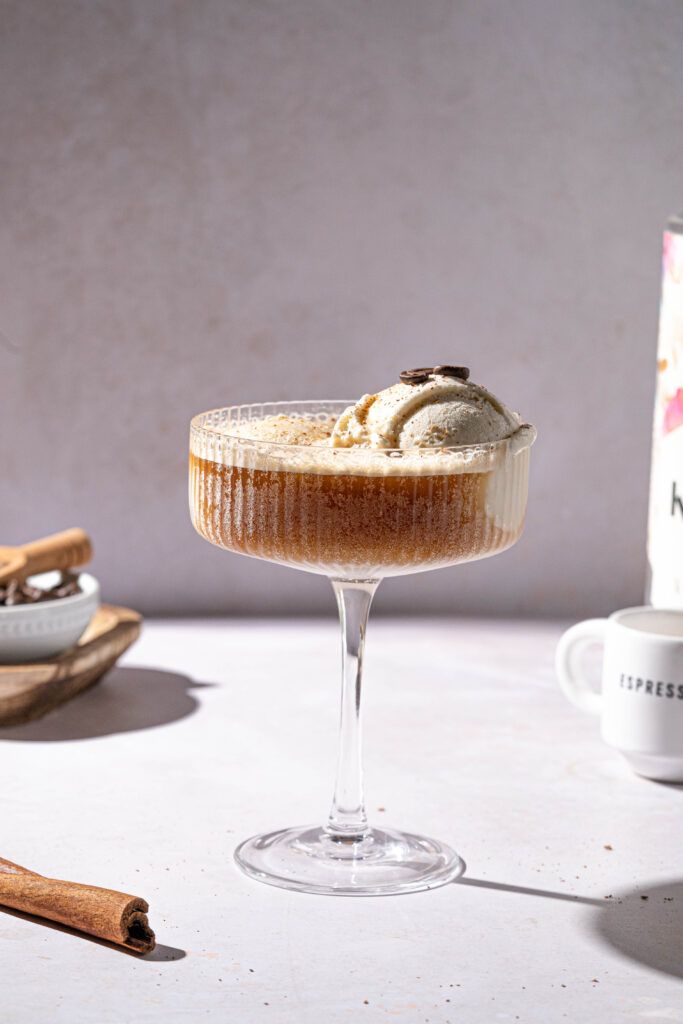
x: 641, y: 699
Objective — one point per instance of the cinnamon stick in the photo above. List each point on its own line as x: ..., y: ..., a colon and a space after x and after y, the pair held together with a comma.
x: 105, y: 913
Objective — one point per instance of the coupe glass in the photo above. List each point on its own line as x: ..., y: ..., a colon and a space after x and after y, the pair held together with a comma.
x: 354, y: 515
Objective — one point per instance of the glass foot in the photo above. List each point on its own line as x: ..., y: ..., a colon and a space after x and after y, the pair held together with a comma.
x: 381, y: 863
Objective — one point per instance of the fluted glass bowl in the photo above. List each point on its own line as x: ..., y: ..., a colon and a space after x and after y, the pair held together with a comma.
x: 351, y: 512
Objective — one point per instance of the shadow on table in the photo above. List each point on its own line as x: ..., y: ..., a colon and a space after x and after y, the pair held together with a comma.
x: 643, y: 924
x: 646, y: 924
x: 549, y: 894
x: 675, y: 787
x: 127, y: 699
x: 159, y: 953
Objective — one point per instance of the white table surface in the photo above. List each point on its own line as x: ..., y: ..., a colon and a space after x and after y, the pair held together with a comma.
x: 212, y: 731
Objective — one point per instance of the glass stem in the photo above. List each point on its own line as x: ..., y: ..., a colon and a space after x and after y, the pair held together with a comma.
x: 347, y: 817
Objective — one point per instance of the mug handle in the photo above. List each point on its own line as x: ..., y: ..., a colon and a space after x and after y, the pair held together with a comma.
x: 568, y: 658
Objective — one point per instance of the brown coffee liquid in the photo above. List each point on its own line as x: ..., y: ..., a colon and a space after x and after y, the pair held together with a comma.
x: 342, y: 525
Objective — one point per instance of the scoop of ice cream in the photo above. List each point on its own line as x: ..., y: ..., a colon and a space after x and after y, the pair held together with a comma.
x: 439, y: 411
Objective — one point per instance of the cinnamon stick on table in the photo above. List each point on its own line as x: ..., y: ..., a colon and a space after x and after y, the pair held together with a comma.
x: 113, y: 916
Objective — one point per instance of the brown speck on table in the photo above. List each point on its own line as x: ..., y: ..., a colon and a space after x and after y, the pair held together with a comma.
x: 381, y: 810
x: 644, y: 897
x: 366, y: 1002
x: 607, y: 846
x: 595, y: 981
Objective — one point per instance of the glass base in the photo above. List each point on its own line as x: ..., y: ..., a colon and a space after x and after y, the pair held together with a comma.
x: 381, y: 863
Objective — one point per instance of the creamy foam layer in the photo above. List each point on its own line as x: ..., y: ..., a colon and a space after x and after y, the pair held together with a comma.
x: 283, y: 429
x: 300, y: 444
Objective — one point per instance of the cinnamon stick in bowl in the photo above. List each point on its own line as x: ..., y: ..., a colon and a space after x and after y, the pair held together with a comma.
x: 113, y: 916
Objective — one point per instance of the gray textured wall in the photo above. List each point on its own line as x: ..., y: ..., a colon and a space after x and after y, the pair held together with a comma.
x: 233, y: 200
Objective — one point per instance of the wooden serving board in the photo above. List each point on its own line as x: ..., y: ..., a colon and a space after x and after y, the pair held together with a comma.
x: 30, y: 690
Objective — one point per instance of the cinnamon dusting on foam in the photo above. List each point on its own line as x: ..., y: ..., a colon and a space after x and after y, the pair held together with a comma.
x: 298, y: 430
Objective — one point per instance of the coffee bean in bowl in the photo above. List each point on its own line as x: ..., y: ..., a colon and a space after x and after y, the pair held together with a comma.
x: 17, y: 592
x: 45, y: 615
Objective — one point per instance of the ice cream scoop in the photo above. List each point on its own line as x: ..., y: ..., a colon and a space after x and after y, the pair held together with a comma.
x: 429, y: 408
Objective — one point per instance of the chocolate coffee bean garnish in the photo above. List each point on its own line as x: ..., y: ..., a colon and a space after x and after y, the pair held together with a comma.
x: 461, y: 372
x: 423, y: 373
x: 417, y: 376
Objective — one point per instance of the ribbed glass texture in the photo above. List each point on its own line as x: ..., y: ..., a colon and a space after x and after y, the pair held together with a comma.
x: 353, y: 513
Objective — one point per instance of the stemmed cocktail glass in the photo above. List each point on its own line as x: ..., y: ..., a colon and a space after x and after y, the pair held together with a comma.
x: 355, y: 515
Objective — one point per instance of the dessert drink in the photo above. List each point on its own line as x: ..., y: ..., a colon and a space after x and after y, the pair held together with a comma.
x: 430, y: 471
x: 424, y: 474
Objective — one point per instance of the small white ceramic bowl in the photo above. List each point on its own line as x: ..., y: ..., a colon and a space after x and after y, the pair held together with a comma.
x: 32, y: 631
